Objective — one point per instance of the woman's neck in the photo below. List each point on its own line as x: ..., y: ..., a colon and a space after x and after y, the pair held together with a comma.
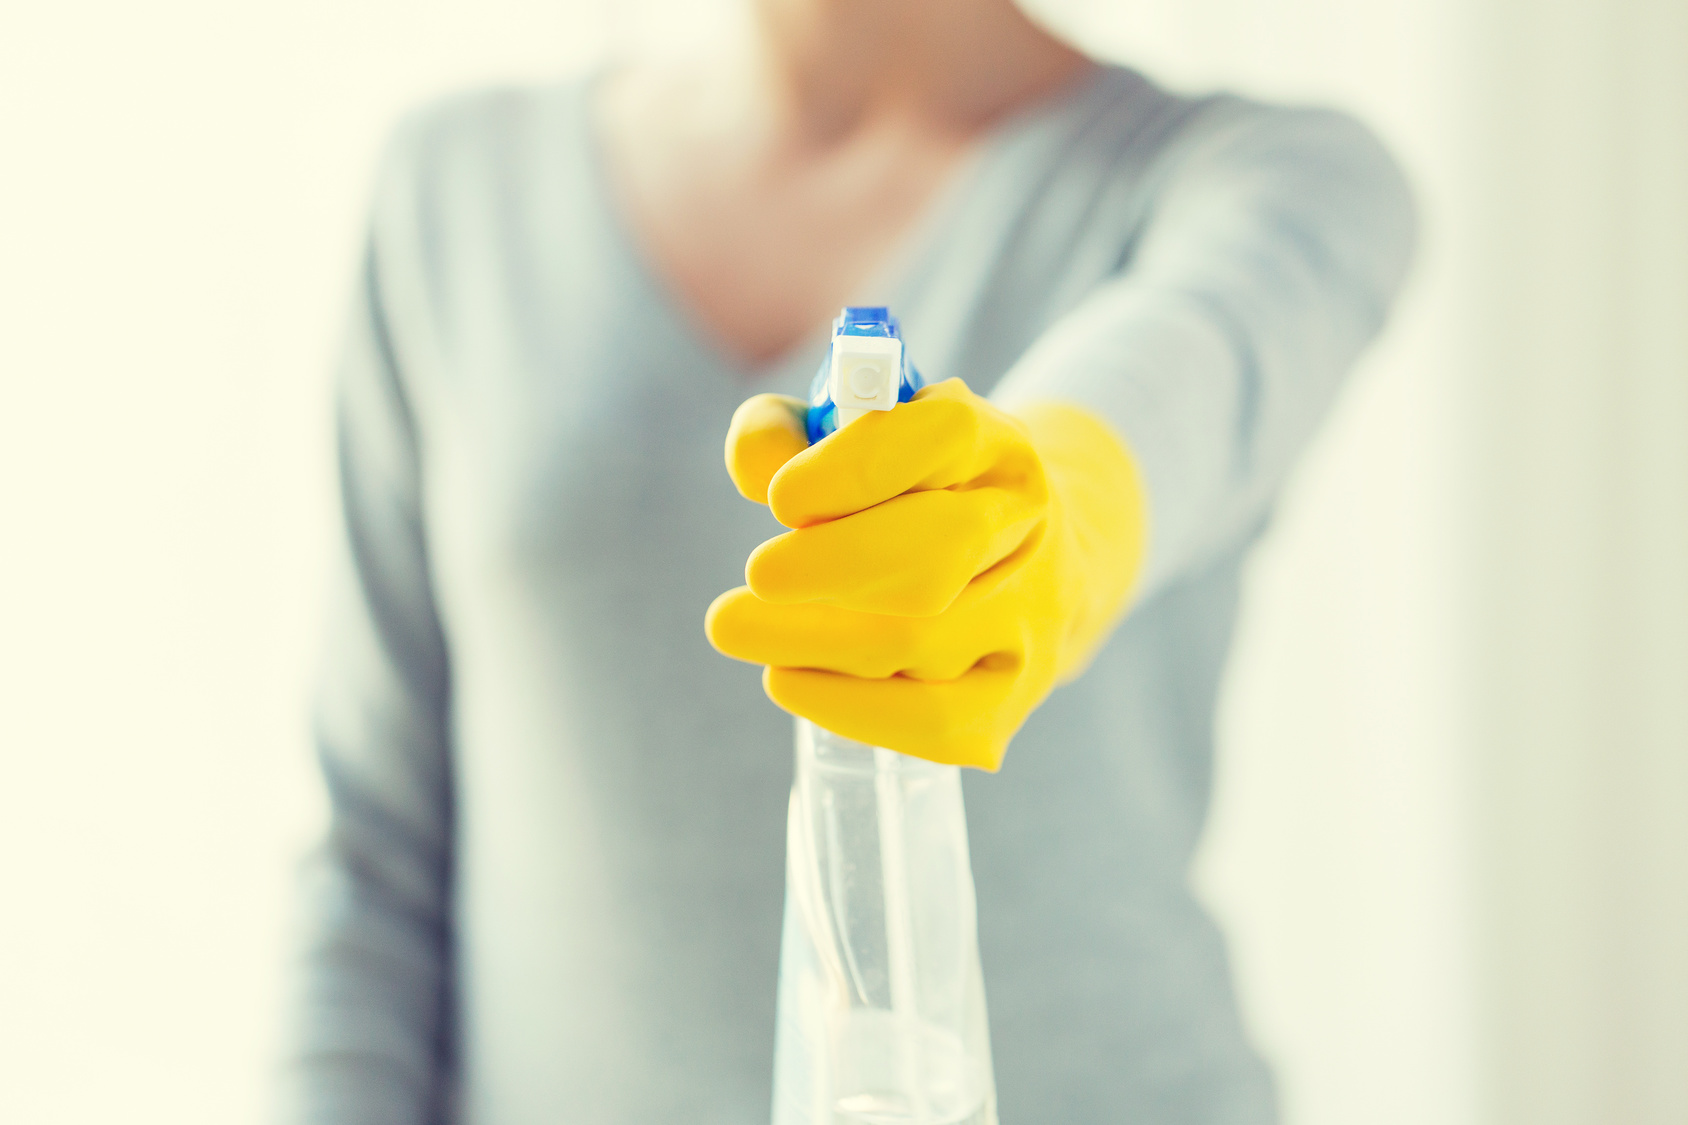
x: 768, y: 193
x: 832, y: 68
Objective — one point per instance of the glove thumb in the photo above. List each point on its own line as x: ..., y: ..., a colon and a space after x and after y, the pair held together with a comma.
x: 766, y: 432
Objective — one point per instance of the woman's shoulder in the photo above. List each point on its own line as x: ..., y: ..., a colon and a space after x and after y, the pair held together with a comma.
x: 495, y: 131
x: 1126, y: 107
x: 475, y: 192
x: 480, y: 175
x: 1155, y: 136
x: 1194, y: 120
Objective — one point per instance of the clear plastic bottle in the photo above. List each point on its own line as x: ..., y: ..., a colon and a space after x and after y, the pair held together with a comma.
x: 881, y: 999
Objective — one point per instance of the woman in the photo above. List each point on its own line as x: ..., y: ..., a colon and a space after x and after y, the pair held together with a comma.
x: 551, y: 889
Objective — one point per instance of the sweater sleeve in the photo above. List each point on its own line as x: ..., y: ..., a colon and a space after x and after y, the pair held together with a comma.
x: 369, y: 1029
x: 1275, y: 242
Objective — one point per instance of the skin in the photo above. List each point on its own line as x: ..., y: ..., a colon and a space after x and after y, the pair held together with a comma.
x: 766, y: 188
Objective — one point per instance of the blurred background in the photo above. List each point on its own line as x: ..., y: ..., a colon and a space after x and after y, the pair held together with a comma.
x: 1450, y: 839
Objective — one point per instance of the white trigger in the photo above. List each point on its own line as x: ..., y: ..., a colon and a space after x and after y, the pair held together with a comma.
x: 865, y: 374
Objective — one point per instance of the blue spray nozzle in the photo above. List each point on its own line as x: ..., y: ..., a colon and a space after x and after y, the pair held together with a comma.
x: 866, y: 367
x: 865, y: 320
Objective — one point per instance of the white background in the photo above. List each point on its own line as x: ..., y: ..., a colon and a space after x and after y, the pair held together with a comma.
x: 1449, y: 839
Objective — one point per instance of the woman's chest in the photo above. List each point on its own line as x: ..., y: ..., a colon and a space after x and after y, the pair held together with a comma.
x: 582, y: 465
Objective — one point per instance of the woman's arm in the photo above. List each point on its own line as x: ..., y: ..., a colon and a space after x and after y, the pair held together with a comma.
x: 949, y: 561
x: 1276, y: 241
x: 370, y: 1031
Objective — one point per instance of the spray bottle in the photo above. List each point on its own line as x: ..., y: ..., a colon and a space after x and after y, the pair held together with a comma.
x: 881, y: 997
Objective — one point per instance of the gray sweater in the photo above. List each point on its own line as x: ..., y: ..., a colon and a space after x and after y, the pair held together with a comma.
x: 550, y: 890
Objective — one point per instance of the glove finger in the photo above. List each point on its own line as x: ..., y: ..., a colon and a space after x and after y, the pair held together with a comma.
x: 945, y: 436
x: 909, y: 557
x: 811, y: 635
x: 765, y: 433
x: 957, y: 722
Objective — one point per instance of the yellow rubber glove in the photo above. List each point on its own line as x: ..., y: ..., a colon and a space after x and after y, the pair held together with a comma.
x: 949, y: 565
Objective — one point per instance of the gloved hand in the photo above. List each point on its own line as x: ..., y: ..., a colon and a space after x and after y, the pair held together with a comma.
x: 950, y: 564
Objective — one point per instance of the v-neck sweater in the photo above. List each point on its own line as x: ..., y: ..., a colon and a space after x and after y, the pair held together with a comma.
x: 550, y: 889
